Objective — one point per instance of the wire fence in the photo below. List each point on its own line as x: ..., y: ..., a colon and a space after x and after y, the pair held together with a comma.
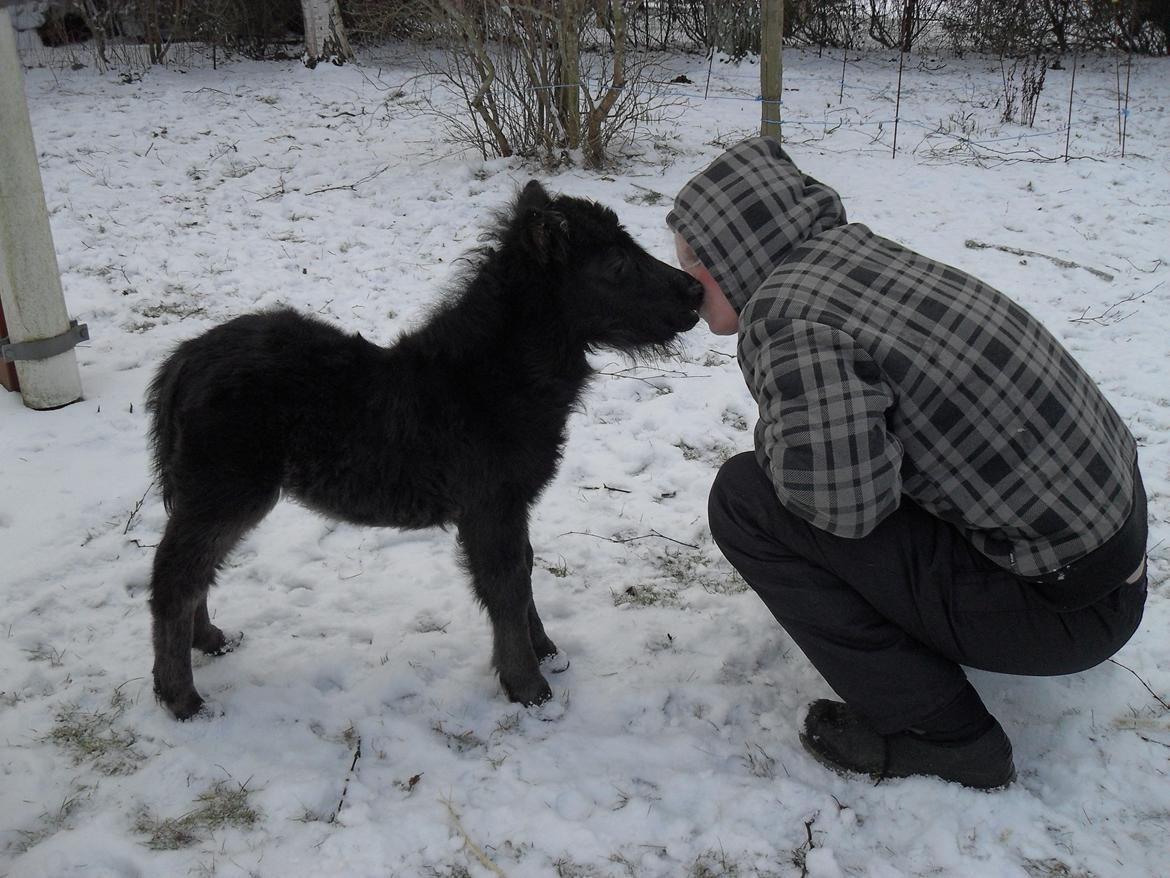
x: 793, y: 118
x: 132, y: 58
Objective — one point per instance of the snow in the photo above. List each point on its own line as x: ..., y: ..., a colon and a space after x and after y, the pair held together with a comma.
x: 189, y: 196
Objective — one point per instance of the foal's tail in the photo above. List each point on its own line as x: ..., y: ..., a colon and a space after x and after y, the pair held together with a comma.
x: 161, y: 402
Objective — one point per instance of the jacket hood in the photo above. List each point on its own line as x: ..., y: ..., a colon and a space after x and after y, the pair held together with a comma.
x: 745, y: 213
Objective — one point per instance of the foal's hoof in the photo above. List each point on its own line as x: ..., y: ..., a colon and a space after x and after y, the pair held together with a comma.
x: 185, y: 707
x: 557, y: 663
x: 549, y: 712
x: 530, y: 695
x: 544, y: 648
x: 216, y: 642
x: 231, y: 642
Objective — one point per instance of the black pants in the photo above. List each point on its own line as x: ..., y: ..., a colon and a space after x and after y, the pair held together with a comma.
x: 888, y: 619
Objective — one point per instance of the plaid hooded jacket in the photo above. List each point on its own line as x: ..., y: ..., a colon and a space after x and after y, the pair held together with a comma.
x: 881, y: 373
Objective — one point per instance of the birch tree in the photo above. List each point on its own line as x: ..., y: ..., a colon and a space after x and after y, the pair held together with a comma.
x: 325, y: 38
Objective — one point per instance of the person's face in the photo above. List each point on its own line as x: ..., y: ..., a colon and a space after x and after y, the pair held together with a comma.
x: 716, y: 310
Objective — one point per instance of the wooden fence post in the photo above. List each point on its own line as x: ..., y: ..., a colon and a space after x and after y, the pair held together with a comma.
x: 771, y: 66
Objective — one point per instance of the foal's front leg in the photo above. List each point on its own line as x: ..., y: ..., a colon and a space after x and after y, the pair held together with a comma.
x: 495, y: 543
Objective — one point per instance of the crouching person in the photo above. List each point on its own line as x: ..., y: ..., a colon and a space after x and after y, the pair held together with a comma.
x: 935, y: 481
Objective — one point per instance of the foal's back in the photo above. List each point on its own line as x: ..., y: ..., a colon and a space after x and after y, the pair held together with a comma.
x: 278, y: 401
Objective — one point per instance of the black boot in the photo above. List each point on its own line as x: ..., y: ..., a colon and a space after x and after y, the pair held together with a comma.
x: 840, y: 739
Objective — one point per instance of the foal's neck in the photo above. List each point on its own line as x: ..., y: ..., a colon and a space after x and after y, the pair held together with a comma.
x: 497, y: 324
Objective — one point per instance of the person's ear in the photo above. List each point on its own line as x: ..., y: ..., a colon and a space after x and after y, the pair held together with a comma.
x: 687, y: 259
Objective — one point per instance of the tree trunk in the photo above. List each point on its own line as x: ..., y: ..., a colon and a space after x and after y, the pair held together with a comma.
x: 1058, y: 14
x: 909, y: 13
x: 569, y: 95
x: 472, y: 30
x: 98, y: 23
x: 325, y: 37
x: 153, y: 30
x: 595, y: 140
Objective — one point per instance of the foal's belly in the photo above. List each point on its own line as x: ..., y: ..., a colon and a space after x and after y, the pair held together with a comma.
x: 388, y: 500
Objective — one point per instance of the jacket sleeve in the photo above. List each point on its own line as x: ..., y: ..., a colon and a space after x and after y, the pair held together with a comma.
x: 822, y: 427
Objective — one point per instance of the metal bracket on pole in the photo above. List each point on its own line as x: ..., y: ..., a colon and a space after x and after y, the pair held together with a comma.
x: 44, y: 348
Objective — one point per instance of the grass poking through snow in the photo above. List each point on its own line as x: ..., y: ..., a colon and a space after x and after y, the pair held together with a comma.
x: 223, y: 804
x: 96, y: 736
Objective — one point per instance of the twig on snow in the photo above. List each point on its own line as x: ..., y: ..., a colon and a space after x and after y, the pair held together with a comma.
x: 651, y: 535
x: 351, y: 186
x: 1157, y: 264
x: 1112, y: 314
x: 662, y: 373
x: 275, y: 193
x: 1016, y: 251
x: 475, y: 849
x: 1157, y: 697
x: 137, y: 507
x: 357, y: 754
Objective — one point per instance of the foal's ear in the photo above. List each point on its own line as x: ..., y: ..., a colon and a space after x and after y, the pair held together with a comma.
x: 532, y: 197
x: 543, y: 229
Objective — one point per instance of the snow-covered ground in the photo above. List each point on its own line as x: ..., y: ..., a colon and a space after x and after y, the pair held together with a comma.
x: 362, y: 731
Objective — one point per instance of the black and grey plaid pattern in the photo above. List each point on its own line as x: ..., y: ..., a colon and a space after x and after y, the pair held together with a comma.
x: 740, y: 212
x: 879, y: 372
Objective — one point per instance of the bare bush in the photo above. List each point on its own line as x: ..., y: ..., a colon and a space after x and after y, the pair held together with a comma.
x: 728, y: 26
x: 529, y: 87
x: 375, y: 21
x: 244, y: 27
x: 830, y: 23
x: 137, y: 33
x: 1022, y: 83
x: 734, y: 28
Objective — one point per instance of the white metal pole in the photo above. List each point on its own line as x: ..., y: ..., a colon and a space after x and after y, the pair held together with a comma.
x: 30, y: 282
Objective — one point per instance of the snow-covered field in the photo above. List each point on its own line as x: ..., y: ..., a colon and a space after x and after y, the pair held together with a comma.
x: 362, y: 731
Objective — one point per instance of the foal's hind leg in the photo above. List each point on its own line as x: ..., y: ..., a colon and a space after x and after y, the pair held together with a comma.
x: 541, y: 644
x: 495, y: 543
x: 192, y: 548
x: 206, y: 637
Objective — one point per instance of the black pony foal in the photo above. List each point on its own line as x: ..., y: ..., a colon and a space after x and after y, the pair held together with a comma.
x: 461, y: 421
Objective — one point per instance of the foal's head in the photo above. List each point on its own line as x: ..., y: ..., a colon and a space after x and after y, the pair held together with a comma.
x: 608, y: 290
